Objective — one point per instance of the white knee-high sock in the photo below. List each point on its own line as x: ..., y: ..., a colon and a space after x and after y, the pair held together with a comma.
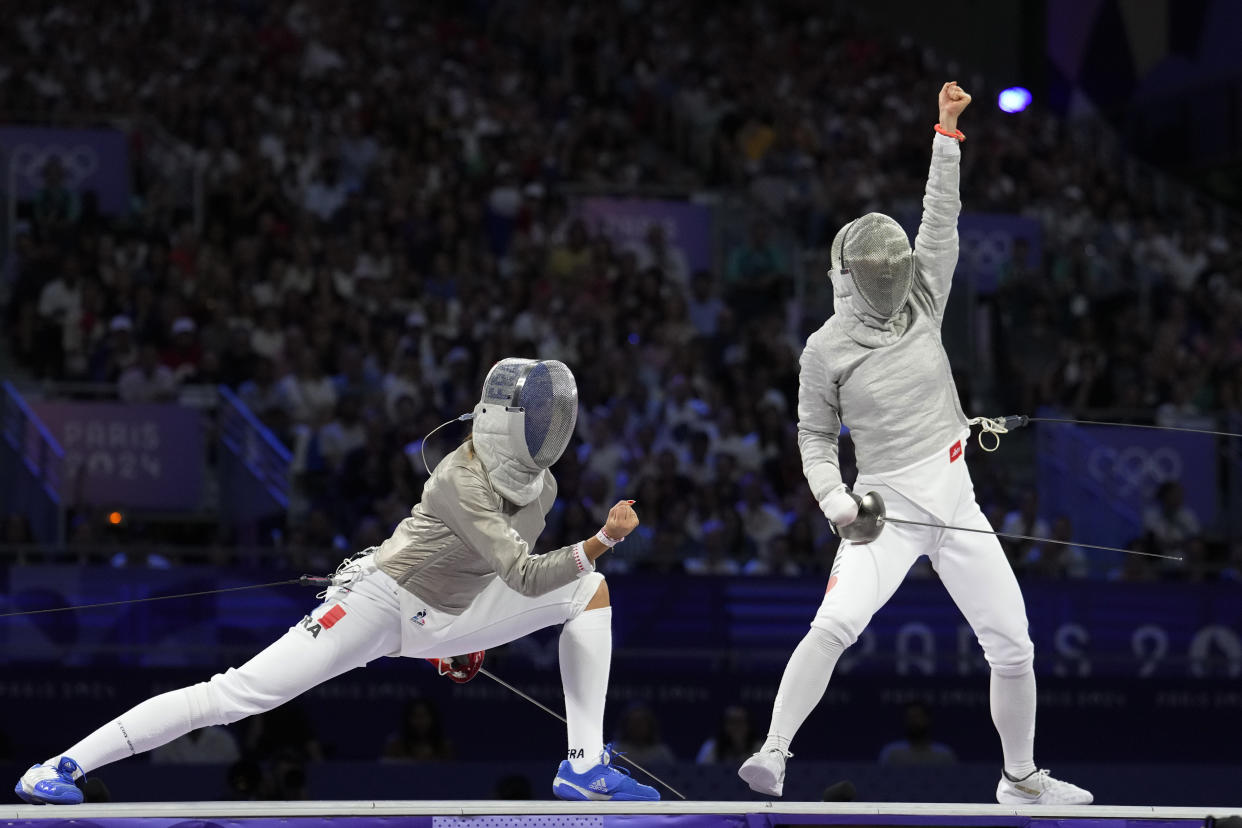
x: 150, y: 724
x: 1013, y: 713
x: 802, y: 686
x: 586, y: 656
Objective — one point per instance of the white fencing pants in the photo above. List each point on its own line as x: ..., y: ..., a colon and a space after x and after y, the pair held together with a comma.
x: 353, y: 627
x: 973, y: 568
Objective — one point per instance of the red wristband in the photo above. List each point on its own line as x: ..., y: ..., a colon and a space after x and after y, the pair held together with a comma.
x: 957, y: 133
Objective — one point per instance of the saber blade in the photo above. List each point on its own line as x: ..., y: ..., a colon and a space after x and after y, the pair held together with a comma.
x: 558, y: 716
x: 1134, y: 425
x: 126, y: 601
x: 887, y: 519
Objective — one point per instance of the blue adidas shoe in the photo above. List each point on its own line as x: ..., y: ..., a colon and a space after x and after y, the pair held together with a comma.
x: 51, y: 784
x: 603, y: 782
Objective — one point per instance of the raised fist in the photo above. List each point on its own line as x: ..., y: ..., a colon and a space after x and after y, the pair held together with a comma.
x: 621, y: 520
x: 953, y: 99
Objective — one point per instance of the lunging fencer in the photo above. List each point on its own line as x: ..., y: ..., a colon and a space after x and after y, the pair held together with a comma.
x: 457, y: 576
x: 878, y: 366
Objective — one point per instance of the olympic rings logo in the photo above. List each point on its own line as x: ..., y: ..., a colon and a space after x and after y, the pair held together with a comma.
x: 1134, y: 470
x: 27, y: 161
x: 986, y: 249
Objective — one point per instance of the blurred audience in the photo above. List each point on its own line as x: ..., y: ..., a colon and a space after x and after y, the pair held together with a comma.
x: 918, y: 747
x: 17, y: 529
x: 1169, y: 521
x: 383, y: 215
x: 513, y: 787
x: 1024, y: 520
x: 735, y: 739
x: 638, y: 736
x: 244, y: 781
x: 421, y: 736
x: 287, y: 782
x: 206, y: 746
x: 286, y: 731
x: 1062, y: 560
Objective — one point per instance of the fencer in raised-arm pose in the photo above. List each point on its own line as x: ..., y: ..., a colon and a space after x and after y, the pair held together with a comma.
x: 457, y: 576
x: 878, y: 366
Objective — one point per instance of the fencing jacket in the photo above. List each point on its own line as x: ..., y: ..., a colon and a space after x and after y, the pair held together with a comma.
x: 887, y: 379
x: 463, y: 534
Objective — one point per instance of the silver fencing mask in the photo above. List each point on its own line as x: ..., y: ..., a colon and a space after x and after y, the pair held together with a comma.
x: 875, y: 252
x: 523, y: 423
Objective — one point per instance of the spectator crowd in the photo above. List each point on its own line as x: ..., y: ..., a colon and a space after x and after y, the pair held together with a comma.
x: 386, y: 209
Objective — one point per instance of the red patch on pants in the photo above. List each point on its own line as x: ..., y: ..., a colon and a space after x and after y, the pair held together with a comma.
x: 329, y: 618
x: 831, y: 583
x: 955, y: 451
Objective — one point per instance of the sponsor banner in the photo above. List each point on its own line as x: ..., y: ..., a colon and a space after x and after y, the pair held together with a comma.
x: 145, y: 456
x: 1135, y: 721
x: 1163, y: 659
x: 1105, y: 478
x: 987, y: 242
x: 1081, y: 629
x: 93, y: 160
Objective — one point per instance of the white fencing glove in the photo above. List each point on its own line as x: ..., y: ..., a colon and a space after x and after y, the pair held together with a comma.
x: 840, y: 506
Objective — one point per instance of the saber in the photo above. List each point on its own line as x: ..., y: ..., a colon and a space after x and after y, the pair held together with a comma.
x: 873, y: 515
x: 1131, y: 425
x: 305, y: 580
x: 1028, y: 537
x: 558, y: 716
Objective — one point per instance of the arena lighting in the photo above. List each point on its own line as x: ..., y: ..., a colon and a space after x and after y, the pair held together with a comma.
x: 1014, y: 99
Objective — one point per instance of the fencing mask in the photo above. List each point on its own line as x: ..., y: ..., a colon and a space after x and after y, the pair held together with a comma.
x: 876, y: 254
x: 523, y: 423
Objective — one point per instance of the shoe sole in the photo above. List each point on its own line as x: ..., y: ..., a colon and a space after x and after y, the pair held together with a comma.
x: 40, y: 799
x: 570, y: 792
x: 761, y: 780
x: 1039, y: 800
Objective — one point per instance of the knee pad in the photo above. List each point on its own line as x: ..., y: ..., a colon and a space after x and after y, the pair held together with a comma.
x: 839, y: 630
x: 826, y: 642
x: 204, y: 707
x: 587, y: 586
x: 1010, y: 656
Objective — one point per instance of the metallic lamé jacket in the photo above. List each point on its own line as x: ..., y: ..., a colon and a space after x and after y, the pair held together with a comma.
x: 887, y: 379
x: 463, y: 534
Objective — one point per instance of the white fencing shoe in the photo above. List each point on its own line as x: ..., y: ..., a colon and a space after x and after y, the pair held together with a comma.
x: 765, y: 771
x: 1039, y: 788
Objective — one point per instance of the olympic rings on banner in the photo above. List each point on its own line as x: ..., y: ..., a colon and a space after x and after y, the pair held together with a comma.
x: 27, y: 162
x: 1134, y: 470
